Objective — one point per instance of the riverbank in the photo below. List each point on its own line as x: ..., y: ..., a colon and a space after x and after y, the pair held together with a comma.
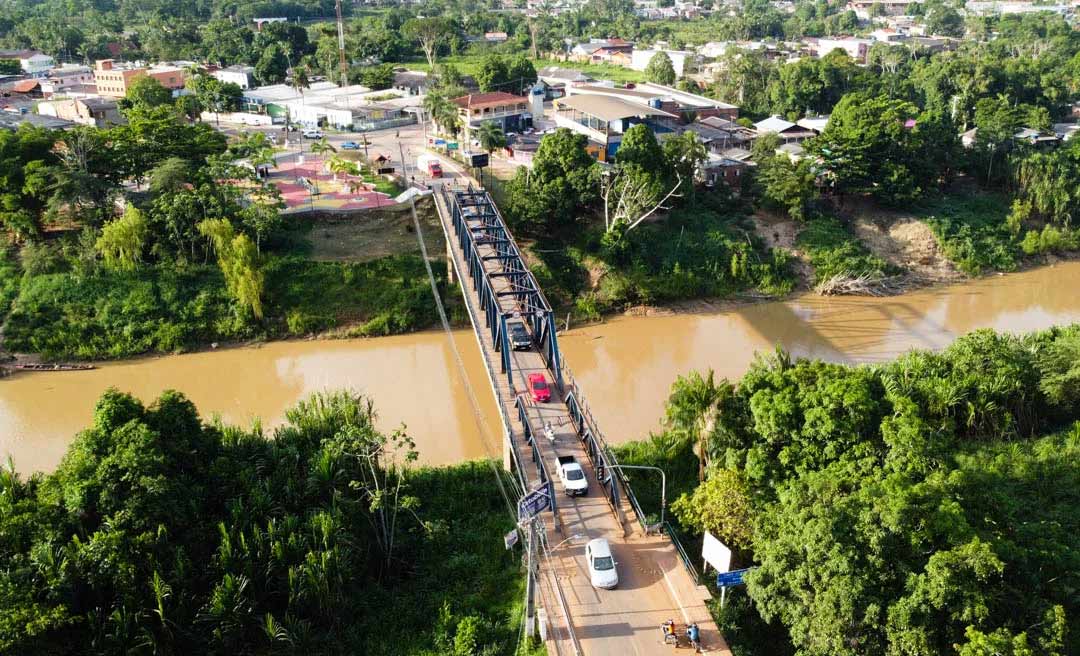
x: 353, y: 276
x: 890, y: 489
x: 288, y: 546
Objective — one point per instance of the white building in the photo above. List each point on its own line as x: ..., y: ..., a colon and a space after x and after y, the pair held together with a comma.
x: 640, y: 59
x: 855, y: 48
x: 714, y: 49
x: 241, y: 76
x: 31, y: 62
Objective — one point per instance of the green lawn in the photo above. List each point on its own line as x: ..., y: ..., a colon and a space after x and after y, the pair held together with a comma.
x: 467, y: 65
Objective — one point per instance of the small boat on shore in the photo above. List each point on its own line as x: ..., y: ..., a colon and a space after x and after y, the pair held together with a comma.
x: 57, y: 366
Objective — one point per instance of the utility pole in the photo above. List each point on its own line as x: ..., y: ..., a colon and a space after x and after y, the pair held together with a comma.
x: 341, y: 45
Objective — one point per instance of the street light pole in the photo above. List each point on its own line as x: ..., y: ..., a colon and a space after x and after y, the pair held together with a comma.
x: 663, y: 485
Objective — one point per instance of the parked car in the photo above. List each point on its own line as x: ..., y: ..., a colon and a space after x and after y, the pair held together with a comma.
x: 572, y: 476
x: 350, y: 145
x: 313, y: 134
x: 602, y: 572
x: 518, y: 336
x: 538, y: 388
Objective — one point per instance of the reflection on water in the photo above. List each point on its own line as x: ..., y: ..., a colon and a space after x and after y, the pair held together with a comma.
x: 412, y: 378
x: 626, y: 366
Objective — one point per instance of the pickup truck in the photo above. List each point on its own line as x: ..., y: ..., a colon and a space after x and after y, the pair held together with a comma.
x: 572, y: 476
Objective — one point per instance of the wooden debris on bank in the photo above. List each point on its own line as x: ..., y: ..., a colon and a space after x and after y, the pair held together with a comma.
x: 844, y: 284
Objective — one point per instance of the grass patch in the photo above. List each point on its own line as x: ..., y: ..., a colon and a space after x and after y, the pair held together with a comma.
x: 972, y: 232
x: 382, y: 297
x: 370, y: 234
x: 469, y: 64
x: 834, y: 251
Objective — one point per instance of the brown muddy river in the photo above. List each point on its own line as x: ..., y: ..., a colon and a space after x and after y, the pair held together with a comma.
x: 625, y: 365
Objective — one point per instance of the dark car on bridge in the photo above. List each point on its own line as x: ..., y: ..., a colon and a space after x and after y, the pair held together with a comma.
x: 518, y: 336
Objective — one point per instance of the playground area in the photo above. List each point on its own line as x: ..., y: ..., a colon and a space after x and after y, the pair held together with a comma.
x: 311, y: 185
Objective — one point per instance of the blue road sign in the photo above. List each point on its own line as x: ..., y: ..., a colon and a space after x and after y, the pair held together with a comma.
x: 533, y: 503
x: 732, y: 578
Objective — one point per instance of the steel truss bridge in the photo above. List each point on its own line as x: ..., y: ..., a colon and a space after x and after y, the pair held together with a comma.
x: 658, y: 580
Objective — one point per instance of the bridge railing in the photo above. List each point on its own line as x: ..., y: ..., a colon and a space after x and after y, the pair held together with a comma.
x: 593, y: 426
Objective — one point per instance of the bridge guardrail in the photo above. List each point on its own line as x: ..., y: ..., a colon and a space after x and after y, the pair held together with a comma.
x: 621, y: 475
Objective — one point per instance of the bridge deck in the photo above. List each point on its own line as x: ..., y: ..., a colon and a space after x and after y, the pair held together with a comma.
x: 653, y: 584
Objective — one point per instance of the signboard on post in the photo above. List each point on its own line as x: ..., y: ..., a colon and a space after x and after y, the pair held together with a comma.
x: 532, y: 504
x: 732, y: 578
x: 715, y: 553
x: 478, y: 160
x: 510, y: 539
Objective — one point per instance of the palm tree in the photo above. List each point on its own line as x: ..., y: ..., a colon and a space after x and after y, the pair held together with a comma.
x: 339, y: 165
x: 491, y: 137
x: 441, y: 111
x: 321, y: 147
x: 263, y: 157
x: 691, y: 411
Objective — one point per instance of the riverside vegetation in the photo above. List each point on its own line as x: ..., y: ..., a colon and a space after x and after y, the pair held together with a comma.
x: 921, y: 507
x: 90, y: 281
x: 164, y: 533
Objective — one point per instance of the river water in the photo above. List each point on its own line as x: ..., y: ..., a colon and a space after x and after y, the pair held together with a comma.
x: 625, y: 365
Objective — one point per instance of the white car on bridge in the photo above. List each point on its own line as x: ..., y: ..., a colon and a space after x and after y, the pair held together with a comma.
x: 602, y: 572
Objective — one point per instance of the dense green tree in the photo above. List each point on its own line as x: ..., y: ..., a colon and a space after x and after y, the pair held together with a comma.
x: 123, y: 240
x: 562, y: 182
x: 430, y: 33
x: 146, y: 93
x: 787, y: 185
x: 272, y: 66
x: 883, y: 147
x: 660, y: 69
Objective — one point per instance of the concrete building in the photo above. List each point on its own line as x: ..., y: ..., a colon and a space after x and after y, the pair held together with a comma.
x: 31, y: 62
x: 604, y: 119
x: 67, y: 77
x: 681, y: 60
x: 113, y: 78
x: 325, y: 104
x: 241, y: 76
x: 509, y: 111
x: 95, y: 112
x: 658, y: 96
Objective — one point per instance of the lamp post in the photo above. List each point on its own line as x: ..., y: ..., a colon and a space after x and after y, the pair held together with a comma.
x: 663, y: 485
x: 575, y: 536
